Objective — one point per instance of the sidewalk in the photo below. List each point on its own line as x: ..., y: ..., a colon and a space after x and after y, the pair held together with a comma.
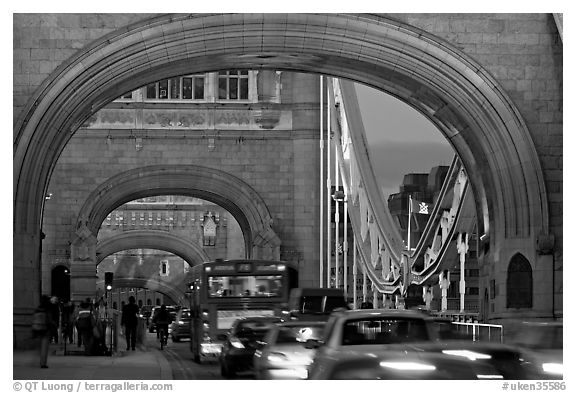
x: 141, y: 364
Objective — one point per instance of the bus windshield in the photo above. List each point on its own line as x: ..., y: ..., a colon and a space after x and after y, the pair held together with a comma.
x: 245, y: 286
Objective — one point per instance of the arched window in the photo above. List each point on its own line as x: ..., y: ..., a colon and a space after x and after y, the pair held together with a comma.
x: 519, y: 283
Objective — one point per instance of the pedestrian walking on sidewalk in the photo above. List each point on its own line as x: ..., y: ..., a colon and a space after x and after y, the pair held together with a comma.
x: 130, y: 322
x: 85, y: 323
x: 43, y: 327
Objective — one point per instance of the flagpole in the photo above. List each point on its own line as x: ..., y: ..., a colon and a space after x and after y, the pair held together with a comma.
x: 409, y: 219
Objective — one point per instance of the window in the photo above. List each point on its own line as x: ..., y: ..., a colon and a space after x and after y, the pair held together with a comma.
x: 190, y: 87
x: 519, y: 283
x: 209, y: 232
x: 473, y: 291
x: 233, y: 85
x: 164, y: 269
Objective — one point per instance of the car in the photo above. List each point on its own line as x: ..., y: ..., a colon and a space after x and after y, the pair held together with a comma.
x: 284, y: 354
x: 171, y: 309
x: 393, y: 365
x: 315, y: 304
x: 396, y: 332
x: 146, y: 312
x: 491, y: 360
x: 371, y: 329
x: 542, y: 344
x: 241, y: 341
x: 377, y: 326
x: 180, y: 327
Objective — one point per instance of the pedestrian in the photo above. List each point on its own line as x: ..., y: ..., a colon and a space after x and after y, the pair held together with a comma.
x: 84, y: 323
x: 55, y: 311
x: 99, y: 331
x: 68, y: 322
x: 42, y: 327
x: 130, y: 322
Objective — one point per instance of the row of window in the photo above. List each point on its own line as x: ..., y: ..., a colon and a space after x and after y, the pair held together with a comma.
x: 232, y: 85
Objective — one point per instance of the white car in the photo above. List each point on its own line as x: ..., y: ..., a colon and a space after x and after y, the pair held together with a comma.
x: 284, y: 354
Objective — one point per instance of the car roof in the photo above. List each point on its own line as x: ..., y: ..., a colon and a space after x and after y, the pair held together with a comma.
x: 301, y: 323
x: 383, y: 312
x: 259, y: 318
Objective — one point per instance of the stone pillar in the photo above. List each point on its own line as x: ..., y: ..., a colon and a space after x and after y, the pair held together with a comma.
x: 266, y: 245
x: 83, y: 265
x: 268, y: 86
x: 444, y: 283
x: 462, y: 247
x: 427, y: 296
x: 26, y: 273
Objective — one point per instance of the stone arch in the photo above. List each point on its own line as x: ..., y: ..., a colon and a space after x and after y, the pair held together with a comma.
x: 519, y: 284
x: 158, y: 240
x: 227, y: 191
x: 175, y: 293
x: 452, y: 90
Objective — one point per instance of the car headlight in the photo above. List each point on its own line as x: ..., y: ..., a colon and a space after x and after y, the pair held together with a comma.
x: 276, y: 357
x: 408, y: 366
x: 236, y: 343
x: 553, y: 368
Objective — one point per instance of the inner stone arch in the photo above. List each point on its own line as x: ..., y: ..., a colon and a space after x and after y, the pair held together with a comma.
x: 219, y: 187
x: 160, y: 240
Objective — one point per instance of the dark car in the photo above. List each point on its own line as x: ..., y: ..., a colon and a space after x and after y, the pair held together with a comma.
x: 180, y: 327
x: 171, y: 309
x: 542, y: 344
x: 393, y: 364
x: 146, y: 312
x: 315, y: 304
x: 243, y: 339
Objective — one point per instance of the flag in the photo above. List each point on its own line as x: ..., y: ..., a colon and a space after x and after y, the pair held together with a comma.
x: 420, y: 207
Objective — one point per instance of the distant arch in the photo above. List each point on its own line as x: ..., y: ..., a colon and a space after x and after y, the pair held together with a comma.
x: 158, y: 240
x: 166, y: 288
x: 219, y: 187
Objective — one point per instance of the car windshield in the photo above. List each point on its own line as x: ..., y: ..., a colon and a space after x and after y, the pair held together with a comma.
x: 254, y: 329
x: 383, y: 331
x: 313, y: 304
x: 298, y: 334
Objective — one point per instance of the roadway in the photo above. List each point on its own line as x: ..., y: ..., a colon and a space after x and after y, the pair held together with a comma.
x: 183, y: 366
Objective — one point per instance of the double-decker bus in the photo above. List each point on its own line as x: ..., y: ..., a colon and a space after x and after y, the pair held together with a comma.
x: 225, y: 290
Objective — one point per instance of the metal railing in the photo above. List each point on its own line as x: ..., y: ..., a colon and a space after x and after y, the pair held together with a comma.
x: 481, y: 331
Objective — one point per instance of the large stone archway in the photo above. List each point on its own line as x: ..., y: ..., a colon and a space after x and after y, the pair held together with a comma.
x: 468, y: 106
x: 210, y: 184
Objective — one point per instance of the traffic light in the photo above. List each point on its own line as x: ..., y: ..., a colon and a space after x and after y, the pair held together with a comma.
x: 108, y: 278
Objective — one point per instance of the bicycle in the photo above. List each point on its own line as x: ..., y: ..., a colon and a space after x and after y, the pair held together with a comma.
x: 163, y: 334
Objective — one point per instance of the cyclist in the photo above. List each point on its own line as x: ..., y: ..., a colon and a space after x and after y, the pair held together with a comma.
x: 162, y: 320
